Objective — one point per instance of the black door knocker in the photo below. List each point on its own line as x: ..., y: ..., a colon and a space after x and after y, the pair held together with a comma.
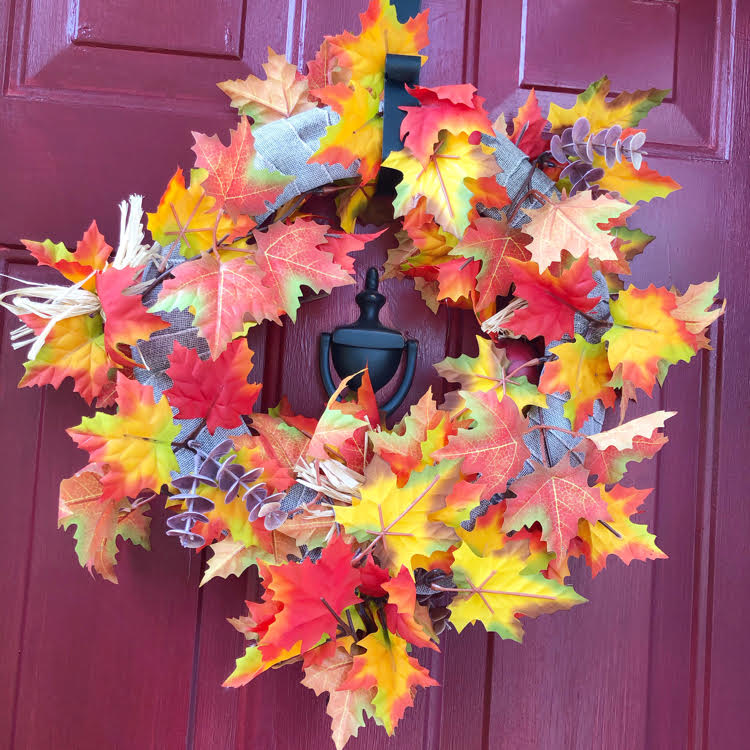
x: 367, y: 342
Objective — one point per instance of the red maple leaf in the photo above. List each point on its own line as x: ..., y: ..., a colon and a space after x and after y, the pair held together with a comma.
x: 556, y: 498
x: 341, y: 244
x: 552, y: 300
x: 456, y: 109
x: 494, y: 446
x: 528, y: 125
x: 233, y: 179
x: 126, y: 320
x: 293, y: 255
x: 303, y: 591
x: 401, y: 609
x: 494, y: 243
x: 214, y: 389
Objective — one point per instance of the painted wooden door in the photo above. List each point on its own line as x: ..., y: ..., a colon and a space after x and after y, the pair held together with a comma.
x: 97, y: 101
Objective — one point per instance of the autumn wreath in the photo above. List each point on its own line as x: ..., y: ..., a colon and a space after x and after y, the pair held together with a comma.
x: 370, y: 541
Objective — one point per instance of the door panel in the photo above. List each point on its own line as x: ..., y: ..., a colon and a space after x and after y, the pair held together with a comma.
x: 97, y: 101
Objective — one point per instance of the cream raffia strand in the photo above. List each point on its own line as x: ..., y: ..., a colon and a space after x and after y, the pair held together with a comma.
x: 333, y: 479
x: 55, y: 302
x: 494, y: 324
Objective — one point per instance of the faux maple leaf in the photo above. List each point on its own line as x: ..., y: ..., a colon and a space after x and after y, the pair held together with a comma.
x: 215, y: 390
x: 494, y: 243
x: 341, y: 245
x: 342, y: 428
x: 610, y: 464
x: 623, y: 436
x: 490, y: 371
x: 284, y: 92
x: 387, y: 666
x: 126, y: 320
x: 556, y: 498
x: 626, y: 109
x: 99, y: 522
x: 73, y: 348
x: 632, y: 541
x: 239, y: 186
x: 136, y: 442
x: 456, y: 109
x: 572, y: 224
x: 397, y: 518
x: 487, y: 537
x: 528, y: 125
x: 647, y: 337
x: 326, y: 669
x: 494, y: 446
x: 581, y: 369
x: 363, y: 55
x: 91, y: 255
x: 252, y: 663
x: 407, y: 447
x: 358, y: 135
x: 230, y: 558
x: 188, y: 216
x: 495, y: 589
x: 301, y: 590
x: 293, y: 255
x: 401, y: 609
x: 464, y: 497
x: 632, y: 184
x: 284, y: 444
x: 441, y: 180
x: 223, y: 295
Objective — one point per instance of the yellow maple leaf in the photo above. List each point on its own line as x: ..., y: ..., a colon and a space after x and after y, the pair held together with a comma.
x: 494, y: 589
x: 582, y: 369
x: 489, y: 371
x: 646, y: 337
x: 442, y: 180
x: 284, y: 92
x: 363, y: 55
x: 357, y: 135
x: 397, y: 518
x: 626, y: 109
x: 188, y: 216
x: 387, y: 666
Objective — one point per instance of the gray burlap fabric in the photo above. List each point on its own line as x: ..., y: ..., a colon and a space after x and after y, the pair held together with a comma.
x: 286, y: 145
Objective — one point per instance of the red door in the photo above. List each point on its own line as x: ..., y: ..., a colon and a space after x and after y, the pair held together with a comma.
x: 97, y: 102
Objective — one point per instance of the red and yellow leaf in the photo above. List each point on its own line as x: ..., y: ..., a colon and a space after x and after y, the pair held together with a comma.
x: 626, y: 109
x: 239, y: 186
x: 494, y: 243
x: 632, y: 541
x: 136, y: 442
x: 582, y: 369
x: 386, y: 666
x: 99, y: 522
x: 556, y: 498
x: 493, y: 447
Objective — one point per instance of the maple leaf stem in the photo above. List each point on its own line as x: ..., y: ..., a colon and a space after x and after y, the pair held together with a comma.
x: 437, y: 587
x: 609, y: 528
x: 341, y: 622
x: 194, y: 434
x: 558, y: 429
